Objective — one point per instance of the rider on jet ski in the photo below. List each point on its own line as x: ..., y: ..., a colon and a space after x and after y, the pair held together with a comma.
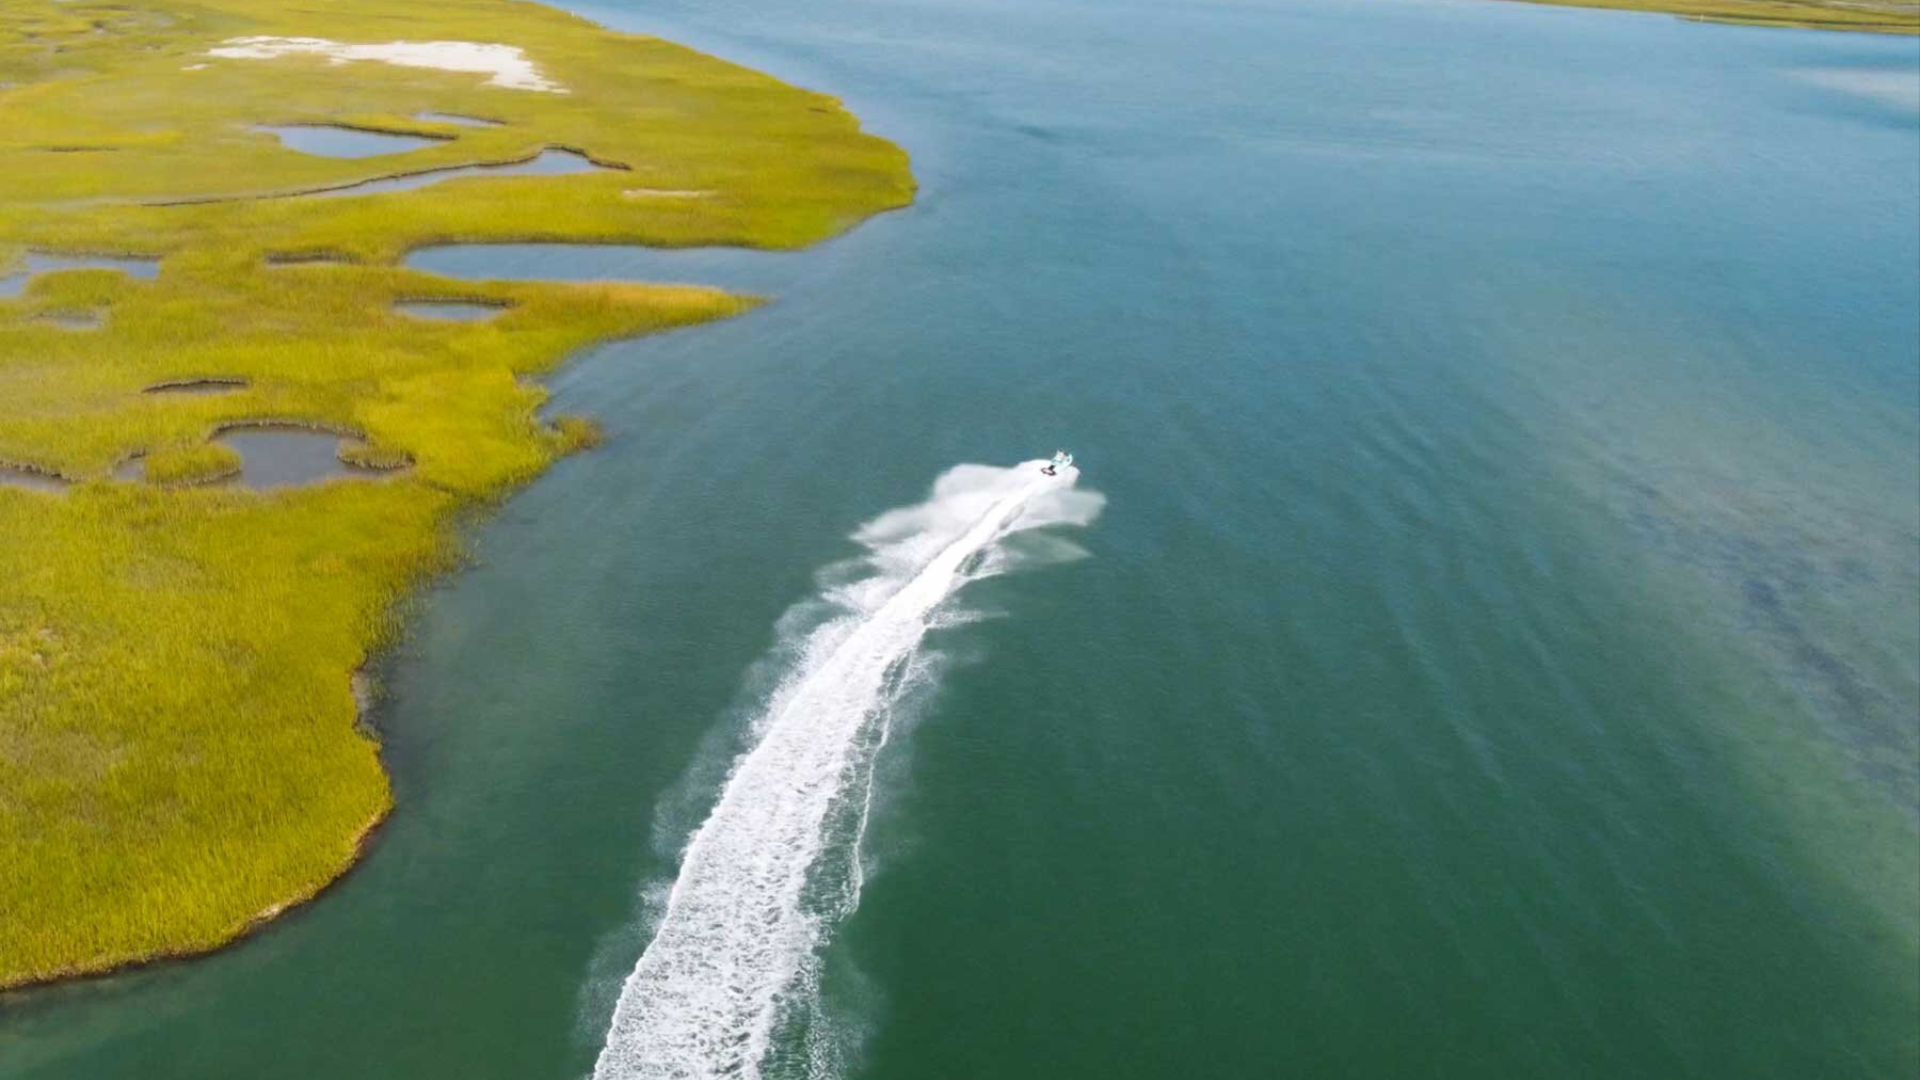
x: 1061, y: 459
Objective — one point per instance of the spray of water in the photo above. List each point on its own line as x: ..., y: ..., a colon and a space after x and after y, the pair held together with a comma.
x: 775, y: 865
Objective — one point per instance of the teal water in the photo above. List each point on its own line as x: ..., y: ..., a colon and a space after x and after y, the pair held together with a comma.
x: 1498, y: 655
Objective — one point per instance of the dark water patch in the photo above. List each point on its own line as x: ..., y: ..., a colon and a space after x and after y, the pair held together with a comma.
x: 210, y: 385
x: 15, y: 283
x: 1781, y: 584
x: 16, y: 476
x: 456, y: 118
x: 1761, y: 595
x: 279, y: 456
x: 744, y: 269
x: 335, y: 141
x: 451, y: 310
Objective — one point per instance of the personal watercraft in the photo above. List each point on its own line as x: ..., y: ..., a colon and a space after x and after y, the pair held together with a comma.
x: 1061, y: 459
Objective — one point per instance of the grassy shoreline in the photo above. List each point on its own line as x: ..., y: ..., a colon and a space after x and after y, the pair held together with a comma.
x: 180, y: 751
x: 1864, y: 16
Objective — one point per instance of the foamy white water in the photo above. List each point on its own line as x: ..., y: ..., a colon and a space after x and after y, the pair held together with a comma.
x: 742, y: 926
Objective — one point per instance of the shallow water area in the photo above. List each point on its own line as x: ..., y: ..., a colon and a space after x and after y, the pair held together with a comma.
x: 329, y: 140
x: 450, y: 310
x: 15, y: 283
x: 30, y: 480
x: 279, y: 457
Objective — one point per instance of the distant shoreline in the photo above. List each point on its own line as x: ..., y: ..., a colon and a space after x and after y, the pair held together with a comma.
x: 1868, y: 16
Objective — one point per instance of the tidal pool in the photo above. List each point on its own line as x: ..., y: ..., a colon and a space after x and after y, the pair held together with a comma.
x: 31, y: 480
x: 273, y: 456
x: 278, y: 457
x: 15, y: 283
x: 329, y: 140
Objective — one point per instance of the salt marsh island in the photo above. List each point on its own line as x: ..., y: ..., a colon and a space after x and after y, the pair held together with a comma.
x: 200, y: 357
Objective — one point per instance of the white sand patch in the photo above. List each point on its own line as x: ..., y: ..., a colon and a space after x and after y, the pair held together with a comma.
x: 194, y: 67
x: 508, y: 65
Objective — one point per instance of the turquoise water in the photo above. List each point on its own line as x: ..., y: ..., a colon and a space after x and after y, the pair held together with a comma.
x: 1497, y: 654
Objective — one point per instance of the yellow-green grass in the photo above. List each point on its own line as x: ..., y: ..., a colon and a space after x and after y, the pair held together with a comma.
x: 179, y: 753
x: 191, y: 464
x: 1873, y: 16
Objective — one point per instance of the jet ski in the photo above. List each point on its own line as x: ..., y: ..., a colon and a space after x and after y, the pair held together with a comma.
x: 1061, y: 459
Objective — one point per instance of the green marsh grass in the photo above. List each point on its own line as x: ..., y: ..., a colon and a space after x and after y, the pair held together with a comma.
x: 191, y: 464
x: 179, y: 753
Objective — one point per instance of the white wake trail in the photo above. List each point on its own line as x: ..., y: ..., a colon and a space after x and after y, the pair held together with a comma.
x: 742, y: 926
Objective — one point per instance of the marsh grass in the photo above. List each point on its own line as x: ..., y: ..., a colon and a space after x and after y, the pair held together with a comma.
x: 362, y: 455
x: 178, y: 747
x: 577, y: 433
x: 191, y: 464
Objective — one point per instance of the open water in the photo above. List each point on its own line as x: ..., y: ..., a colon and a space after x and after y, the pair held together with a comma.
x: 1483, y: 639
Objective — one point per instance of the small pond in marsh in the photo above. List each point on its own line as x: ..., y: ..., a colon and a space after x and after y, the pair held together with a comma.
x: 327, y: 140
x: 30, y: 480
x: 15, y: 283
x: 278, y: 457
x: 275, y: 456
